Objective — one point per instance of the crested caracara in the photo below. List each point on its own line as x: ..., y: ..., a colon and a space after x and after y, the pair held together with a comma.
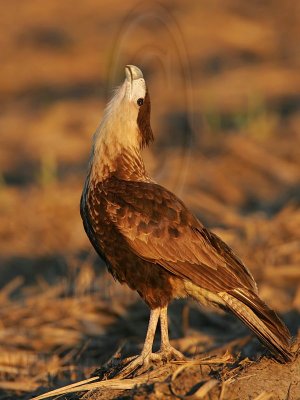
x: 151, y: 241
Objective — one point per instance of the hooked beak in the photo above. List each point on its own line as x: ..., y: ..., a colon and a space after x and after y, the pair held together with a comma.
x: 132, y: 72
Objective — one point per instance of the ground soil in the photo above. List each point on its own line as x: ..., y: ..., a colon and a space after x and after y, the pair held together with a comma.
x: 224, y: 82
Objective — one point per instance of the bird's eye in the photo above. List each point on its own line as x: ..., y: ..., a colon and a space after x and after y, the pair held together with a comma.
x: 140, y: 101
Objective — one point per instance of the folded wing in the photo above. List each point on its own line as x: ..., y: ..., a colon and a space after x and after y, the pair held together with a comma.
x: 159, y: 228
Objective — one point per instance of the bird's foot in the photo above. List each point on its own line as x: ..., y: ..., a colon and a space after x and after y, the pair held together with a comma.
x: 168, y: 353
x: 139, y: 364
x: 143, y: 363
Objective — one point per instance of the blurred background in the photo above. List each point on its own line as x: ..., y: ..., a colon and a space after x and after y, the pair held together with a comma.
x: 224, y: 81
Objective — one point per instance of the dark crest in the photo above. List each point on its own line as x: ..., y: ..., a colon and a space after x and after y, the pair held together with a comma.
x: 143, y: 121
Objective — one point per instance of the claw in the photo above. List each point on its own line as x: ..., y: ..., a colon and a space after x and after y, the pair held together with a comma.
x: 169, y: 353
x: 143, y: 363
x: 138, y: 363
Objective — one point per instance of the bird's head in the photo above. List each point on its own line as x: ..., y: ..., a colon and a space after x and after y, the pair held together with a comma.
x: 126, y: 119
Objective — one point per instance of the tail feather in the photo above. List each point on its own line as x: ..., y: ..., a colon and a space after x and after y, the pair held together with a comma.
x: 264, y: 322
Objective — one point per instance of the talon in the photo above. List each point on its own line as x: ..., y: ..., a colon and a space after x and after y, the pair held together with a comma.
x: 140, y: 363
x: 170, y: 353
x: 143, y: 363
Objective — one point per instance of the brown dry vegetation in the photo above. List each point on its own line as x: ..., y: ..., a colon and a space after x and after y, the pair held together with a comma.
x: 225, y: 83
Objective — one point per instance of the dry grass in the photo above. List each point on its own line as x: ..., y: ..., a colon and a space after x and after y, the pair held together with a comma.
x: 56, y: 333
x: 228, y: 143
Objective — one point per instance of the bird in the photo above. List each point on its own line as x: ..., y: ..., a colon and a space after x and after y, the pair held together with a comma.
x: 150, y: 240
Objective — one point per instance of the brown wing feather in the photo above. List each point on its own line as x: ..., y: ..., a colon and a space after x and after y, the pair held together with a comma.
x: 262, y: 320
x: 159, y: 228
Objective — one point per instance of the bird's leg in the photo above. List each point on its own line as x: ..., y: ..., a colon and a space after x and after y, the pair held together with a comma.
x: 147, y: 348
x: 146, y: 355
x: 166, y: 350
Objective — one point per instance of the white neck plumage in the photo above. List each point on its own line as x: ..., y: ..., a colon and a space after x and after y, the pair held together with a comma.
x: 123, y: 131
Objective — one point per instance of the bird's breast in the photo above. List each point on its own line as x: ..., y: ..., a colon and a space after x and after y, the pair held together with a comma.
x: 154, y: 284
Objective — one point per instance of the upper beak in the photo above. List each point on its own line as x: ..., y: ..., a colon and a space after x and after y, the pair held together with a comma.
x: 132, y: 72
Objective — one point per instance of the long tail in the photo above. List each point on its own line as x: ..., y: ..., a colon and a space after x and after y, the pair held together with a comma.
x: 264, y: 322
